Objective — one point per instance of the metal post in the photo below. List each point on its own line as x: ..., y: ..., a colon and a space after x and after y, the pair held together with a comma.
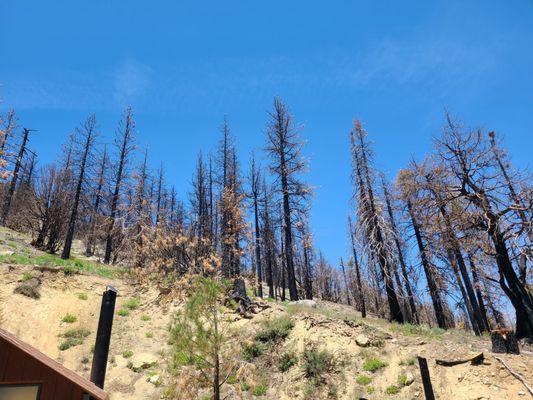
x: 426, y: 381
x: 103, y: 336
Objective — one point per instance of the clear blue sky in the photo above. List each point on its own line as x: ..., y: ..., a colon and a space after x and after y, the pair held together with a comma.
x: 183, y: 65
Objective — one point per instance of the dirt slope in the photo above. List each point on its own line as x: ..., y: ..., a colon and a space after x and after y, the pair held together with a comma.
x: 139, y: 349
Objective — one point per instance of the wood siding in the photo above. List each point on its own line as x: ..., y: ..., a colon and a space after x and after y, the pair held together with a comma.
x: 21, y: 363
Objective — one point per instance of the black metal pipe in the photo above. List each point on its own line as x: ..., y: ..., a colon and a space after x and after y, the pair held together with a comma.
x: 103, y: 337
x: 426, y: 380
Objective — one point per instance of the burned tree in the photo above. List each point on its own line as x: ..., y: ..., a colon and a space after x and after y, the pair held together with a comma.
x: 477, y: 180
x: 370, y: 217
x: 284, y: 148
x: 124, y: 145
x: 255, y: 178
x: 86, y: 136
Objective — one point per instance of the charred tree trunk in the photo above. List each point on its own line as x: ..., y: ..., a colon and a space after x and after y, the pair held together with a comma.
x: 413, y: 316
x: 89, y: 131
x: 362, y: 306
x: 428, y: 270
x: 127, y: 137
x: 14, y: 178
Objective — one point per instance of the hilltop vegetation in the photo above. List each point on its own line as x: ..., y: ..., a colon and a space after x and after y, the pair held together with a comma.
x: 287, y: 351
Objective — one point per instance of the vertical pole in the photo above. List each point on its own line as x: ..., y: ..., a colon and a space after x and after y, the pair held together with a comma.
x: 424, y: 371
x: 103, y: 337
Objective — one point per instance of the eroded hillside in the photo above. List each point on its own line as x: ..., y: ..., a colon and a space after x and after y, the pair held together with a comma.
x: 322, y: 352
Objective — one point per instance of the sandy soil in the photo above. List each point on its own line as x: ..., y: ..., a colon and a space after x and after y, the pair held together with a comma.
x: 144, y: 332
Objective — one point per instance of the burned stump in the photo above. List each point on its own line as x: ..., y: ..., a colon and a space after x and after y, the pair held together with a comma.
x: 245, y: 305
x: 504, y: 341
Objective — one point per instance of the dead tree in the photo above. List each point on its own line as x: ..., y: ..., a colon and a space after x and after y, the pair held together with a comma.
x: 466, y: 155
x: 14, y: 177
x: 87, y: 133
x: 371, y: 218
x: 124, y: 144
x: 95, y: 209
x: 284, y: 148
x: 413, y: 315
x: 255, y: 178
x: 362, y: 306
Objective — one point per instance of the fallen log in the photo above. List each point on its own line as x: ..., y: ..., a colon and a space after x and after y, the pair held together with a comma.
x: 476, y: 360
x: 516, y: 375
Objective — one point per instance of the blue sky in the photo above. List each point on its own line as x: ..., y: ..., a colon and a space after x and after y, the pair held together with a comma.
x: 184, y: 65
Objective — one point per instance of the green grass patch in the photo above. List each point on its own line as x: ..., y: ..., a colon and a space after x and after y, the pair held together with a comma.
x: 287, y: 360
x: 392, y: 390
x: 317, y: 363
x: 418, y: 330
x: 133, y: 303
x: 82, y: 296
x: 408, y: 361
x: 252, y: 350
x: 69, y: 319
x: 373, y: 365
x: 73, y: 337
x: 274, y: 330
x: 402, y: 379
x: 26, y: 276
x: 363, y: 380
x: 70, y: 266
x: 149, y: 335
x: 127, y: 353
x: 123, y: 313
x: 77, y: 333
x: 259, y: 390
x: 145, y: 317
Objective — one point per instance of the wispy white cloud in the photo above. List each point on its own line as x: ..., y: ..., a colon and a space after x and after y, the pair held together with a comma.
x: 131, y: 81
x: 435, y: 63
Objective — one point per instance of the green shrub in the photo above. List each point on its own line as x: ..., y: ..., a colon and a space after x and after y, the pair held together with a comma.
x: 259, y: 390
x: 274, y: 330
x: 245, y: 386
x: 149, y: 335
x: 370, y: 389
x: 374, y: 364
x: 82, y: 296
x: 77, y: 333
x: 363, y: 380
x: 70, y: 342
x: 232, y: 379
x: 402, y: 379
x: 26, y: 276
x: 252, y: 350
x: 85, y: 360
x: 123, y: 313
x: 145, y: 317
x: 69, y: 270
x: 73, y: 337
x: 69, y: 319
x: 316, y: 363
x: 287, y: 360
x: 127, y: 353
x: 392, y: 390
x: 133, y: 303
x: 408, y: 361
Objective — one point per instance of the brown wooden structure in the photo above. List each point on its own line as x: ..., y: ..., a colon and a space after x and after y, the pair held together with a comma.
x: 22, y: 365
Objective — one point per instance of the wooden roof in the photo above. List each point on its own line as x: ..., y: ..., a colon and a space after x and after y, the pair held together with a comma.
x: 87, y: 386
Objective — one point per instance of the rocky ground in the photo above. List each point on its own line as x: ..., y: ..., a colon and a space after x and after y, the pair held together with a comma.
x: 62, y: 323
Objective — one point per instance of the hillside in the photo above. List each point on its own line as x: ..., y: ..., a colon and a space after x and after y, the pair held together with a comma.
x: 62, y: 323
